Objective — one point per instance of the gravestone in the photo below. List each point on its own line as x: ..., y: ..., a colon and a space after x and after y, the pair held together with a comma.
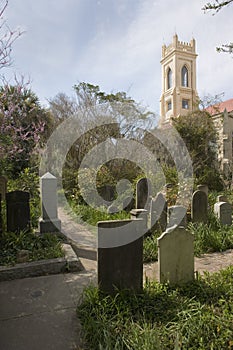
x: 158, y: 213
x: 120, y: 255
x: 143, y: 193
x: 48, y: 188
x: 223, y: 210
x: 17, y: 211
x: 3, y: 187
x: 199, y: 207
x: 177, y: 216
x: 176, y: 256
x: 222, y: 198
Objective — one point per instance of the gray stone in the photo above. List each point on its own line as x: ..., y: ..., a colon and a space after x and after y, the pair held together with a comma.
x: 158, y: 213
x: 18, y: 211
x: 128, y: 203
x: 223, y: 210
x: 199, y: 207
x: 112, y: 209
x: 1, y: 228
x: 177, y: 216
x: 176, y: 256
x: 120, y: 255
x: 49, y: 221
x: 107, y: 192
x: 143, y: 193
x: 3, y: 187
x: 140, y: 214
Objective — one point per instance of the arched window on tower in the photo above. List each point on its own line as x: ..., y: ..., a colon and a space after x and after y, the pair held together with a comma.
x: 184, y: 76
x: 169, y: 78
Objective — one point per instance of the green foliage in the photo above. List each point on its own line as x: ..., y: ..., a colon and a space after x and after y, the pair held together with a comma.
x: 199, y: 134
x: 195, y: 316
x: 40, y: 247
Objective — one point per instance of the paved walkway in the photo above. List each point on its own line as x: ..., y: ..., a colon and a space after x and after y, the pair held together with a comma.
x: 40, y: 313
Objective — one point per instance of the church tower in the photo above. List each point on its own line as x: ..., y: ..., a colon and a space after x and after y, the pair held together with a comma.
x: 179, y: 94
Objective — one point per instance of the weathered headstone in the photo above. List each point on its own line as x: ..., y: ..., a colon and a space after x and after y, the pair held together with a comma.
x: 223, y: 210
x: 199, y: 207
x: 3, y: 187
x: 177, y: 216
x: 120, y: 255
x: 176, y: 256
x: 17, y: 211
x: 112, y: 209
x: 158, y: 212
x: 48, y: 188
x: 143, y: 193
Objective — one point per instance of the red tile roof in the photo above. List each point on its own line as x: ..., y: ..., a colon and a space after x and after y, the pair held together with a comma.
x: 220, y: 107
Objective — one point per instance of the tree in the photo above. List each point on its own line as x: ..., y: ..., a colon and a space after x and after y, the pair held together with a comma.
x: 7, y: 38
x: 24, y: 126
x: 199, y: 134
x: 216, y: 6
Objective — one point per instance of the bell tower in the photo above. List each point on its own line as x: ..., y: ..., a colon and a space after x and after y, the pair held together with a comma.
x: 179, y: 94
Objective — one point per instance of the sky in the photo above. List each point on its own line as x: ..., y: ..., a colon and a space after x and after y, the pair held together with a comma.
x: 115, y: 44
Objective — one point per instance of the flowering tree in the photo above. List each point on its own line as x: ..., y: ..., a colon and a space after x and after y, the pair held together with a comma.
x: 24, y: 125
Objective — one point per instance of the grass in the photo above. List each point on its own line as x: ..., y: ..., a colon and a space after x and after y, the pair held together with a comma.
x: 39, y: 247
x: 195, y: 316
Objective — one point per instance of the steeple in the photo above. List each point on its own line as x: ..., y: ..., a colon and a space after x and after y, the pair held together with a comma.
x: 179, y: 95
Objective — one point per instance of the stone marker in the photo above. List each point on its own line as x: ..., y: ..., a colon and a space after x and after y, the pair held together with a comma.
x: 143, y: 193
x: 17, y: 211
x: 199, y: 207
x: 48, y: 188
x: 223, y: 210
x: 158, y: 213
x: 177, y: 216
x: 128, y: 203
x: 176, y: 256
x: 203, y: 188
x: 3, y: 187
x: 120, y: 255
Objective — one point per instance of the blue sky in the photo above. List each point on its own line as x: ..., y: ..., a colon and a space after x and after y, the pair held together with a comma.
x: 116, y: 45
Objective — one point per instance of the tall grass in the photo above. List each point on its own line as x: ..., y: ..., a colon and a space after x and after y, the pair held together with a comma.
x: 195, y: 316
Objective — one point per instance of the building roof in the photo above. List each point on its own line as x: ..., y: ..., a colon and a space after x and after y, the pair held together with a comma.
x: 220, y: 107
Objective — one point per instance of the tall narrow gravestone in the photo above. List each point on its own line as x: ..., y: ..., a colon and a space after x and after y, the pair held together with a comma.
x: 0, y: 213
x: 176, y: 256
x: 49, y: 221
x: 17, y: 211
x: 199, y: 207
x: 143, y: 193
x: 223, y: 210
x: 177, y: 216
x: 120, y: 255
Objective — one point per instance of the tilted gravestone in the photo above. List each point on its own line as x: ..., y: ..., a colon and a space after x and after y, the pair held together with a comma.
x: 176, y: 256
x: 3, y: 187
x: 120, y: 255
x: 177, y: 216
x: 17, y: 211
x: 143, y: 193
x: 158, y: 212
x: 48, y: 188
x: 199, y: 207
x: 223, y: 210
